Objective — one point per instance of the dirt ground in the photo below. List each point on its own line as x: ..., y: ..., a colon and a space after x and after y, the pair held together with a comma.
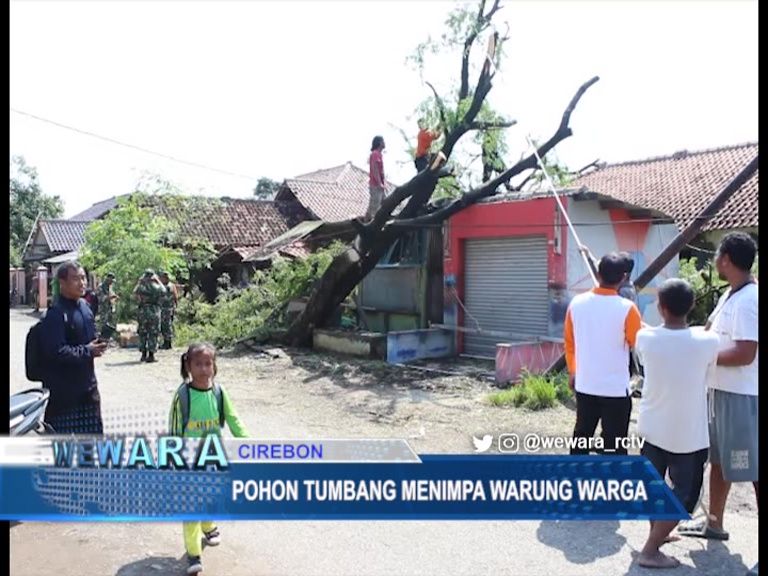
x: 302, y: 394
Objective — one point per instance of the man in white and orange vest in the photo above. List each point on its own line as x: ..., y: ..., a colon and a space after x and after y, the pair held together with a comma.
x: 600, y: 328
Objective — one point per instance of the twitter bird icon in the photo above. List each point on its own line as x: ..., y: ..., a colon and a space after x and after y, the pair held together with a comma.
x: 481, y: 445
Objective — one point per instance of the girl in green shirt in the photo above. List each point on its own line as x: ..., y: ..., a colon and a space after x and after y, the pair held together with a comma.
x: 195, y: 414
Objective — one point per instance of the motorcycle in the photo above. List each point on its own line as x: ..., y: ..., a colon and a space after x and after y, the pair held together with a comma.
x: 28, y: 412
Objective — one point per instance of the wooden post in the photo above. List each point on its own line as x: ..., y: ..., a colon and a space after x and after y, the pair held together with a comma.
x: 695, y: 226
x: 42, y: 287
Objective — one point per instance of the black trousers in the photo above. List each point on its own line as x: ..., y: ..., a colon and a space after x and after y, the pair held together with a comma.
x: 613, y: 415
x: 421, y: 163
x: 80, y: 415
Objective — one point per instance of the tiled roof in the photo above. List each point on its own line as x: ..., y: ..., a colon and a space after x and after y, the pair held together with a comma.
x: 296, y: 249
x: 334, y: 194
x: 681, y: 185
x: 230, y: 221
x: 97, y: 210
x: 63, y: 235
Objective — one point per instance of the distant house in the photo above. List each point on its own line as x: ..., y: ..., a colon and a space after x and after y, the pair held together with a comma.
x: 55, y: 241
x: 511, y: 265
x: 229, y: 224
x: 318, y: 207
x: 332, y: 195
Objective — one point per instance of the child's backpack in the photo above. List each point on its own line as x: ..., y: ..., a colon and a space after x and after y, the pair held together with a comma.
x: 183, y: 393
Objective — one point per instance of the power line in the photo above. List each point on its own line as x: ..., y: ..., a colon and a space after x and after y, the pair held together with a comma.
x: 132, y: 146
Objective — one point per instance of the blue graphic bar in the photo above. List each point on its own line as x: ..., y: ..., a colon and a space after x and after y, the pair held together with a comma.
x: 441, y: 487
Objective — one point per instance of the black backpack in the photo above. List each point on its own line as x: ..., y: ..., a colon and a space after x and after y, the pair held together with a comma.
x: 183, y: 393
x: 33, y: 354
x: 33, y: 350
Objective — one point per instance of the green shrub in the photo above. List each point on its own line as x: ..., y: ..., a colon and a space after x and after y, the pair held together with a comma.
x: 541, y: 393
x: 534, y: 392
x: 242, y: 313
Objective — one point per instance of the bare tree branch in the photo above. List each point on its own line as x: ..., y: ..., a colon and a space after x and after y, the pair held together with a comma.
x: 571, y: 106
x: 490, y: 125
x: 481, y: 23
x: 440, y: 105
x: 580, y: 171
x: 525, y: 181
x: 490, y: 188
x: 481, y: 92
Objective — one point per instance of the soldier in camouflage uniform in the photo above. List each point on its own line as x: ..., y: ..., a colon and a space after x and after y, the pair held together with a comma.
x: 167, y: 310
x: 149, y: 292
x: 107, y: 299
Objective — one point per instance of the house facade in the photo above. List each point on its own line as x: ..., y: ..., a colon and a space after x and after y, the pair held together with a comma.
x: 511, y: 264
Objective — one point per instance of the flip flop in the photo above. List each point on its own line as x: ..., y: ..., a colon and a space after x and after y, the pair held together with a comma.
x: 702, y: 529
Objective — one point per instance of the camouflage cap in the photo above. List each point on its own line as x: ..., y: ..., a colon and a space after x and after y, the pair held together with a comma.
x: 149, y: 272
x: 110, y: 275
x: 162, y: 273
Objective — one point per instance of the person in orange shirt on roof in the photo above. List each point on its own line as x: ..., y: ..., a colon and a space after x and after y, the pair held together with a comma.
x: 423, y: 143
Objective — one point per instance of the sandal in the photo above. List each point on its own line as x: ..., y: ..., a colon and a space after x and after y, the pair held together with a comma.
x: 701, y: 529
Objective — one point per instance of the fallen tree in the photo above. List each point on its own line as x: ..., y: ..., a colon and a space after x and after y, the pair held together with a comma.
x: 468, y: 115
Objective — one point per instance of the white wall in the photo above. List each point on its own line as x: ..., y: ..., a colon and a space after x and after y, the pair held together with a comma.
x: 601, y: 235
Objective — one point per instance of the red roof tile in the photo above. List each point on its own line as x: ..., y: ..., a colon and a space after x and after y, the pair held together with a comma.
x: 231, y: 222
x: 334, y: 194
x: 681, y: 185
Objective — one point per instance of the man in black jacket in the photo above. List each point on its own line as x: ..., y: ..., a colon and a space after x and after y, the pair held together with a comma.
x: 69, y: 346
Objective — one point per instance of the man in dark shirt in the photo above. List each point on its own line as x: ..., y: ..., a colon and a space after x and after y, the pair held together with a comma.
x: 69, y: 345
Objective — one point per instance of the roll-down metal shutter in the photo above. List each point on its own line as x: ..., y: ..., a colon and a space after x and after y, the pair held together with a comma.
x: 505, y: 290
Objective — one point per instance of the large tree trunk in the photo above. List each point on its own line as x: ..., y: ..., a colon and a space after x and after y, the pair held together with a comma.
x: 350, y: 267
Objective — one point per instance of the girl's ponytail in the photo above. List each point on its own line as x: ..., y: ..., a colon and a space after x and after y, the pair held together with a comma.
x: 184, y: 371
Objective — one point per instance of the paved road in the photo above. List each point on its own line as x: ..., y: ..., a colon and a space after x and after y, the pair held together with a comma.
x: 339, y: 548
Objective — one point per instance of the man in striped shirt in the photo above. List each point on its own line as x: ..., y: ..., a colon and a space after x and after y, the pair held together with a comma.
x: 600, y: 328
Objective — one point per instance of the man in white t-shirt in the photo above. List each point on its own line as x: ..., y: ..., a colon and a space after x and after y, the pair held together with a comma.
x: 733, y: 429
x: 672, y: 416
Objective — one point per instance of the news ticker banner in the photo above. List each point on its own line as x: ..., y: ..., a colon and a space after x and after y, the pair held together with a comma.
x: 167, y: 478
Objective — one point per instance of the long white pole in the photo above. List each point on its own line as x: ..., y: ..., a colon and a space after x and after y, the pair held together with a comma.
x: 562, y: 210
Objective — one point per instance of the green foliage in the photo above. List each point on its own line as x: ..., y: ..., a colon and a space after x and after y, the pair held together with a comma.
x: 447, y: 188
x: 231, y: 318
x: 14, y: 258
x: 541, y: 394
x: 559, y: 173
x: 534, y: 392
x: 459, y: 24
x: 184, y: 215
x: 26, y: 202
x: 707, y: 286
x: 266, y: 189
x: 241, y: 313
x: 562, y: 389
x: 127, y: 241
